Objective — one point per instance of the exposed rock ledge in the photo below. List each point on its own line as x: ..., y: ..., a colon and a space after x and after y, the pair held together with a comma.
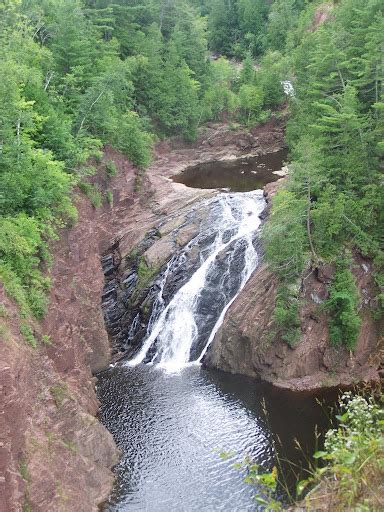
x: 54, y: 454
x: 244, y: 345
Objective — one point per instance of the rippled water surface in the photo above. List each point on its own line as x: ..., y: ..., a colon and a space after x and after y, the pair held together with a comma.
x: 171, y: 418
x: 171, y: 429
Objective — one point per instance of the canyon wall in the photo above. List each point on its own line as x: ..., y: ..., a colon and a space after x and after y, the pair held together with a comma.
x: 246, y: 343
x: 54, y: 454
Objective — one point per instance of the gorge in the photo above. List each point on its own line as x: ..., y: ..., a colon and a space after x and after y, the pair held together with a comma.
x: 191, y: 255
x: 171, y: 418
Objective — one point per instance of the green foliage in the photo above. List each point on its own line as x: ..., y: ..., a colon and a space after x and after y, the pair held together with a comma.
x: 354, y: 456
x: 286, y: 315
x: 27, y: 332
x: 23, y: 469
x: 133, y: 140
x: 344, y: 322
x: 3, y: 311
x: 251, y: 100
x: 93, y: 193
x: 145, y: 274
x: 284, y: 235
x: 237, y: 26
x: 46, y: 340
x: 80, y: 74
x: 266, y: 483
x: 110, y: 169
x: 219, y: 99
x: 20, y: 242
x: 334, y: 197
x: 109, y: 197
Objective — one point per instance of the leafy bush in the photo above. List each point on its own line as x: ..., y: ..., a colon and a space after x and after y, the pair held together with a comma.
x: 344, y: 322
x: 284, y: 235
x: 133, y: 140
x: 251, y: 100
x: 110, y: 169
x: 354, y: 454
x: 93, y: 193
x: 27, y: 332
x: 286, y: 315
x: 20, y: 242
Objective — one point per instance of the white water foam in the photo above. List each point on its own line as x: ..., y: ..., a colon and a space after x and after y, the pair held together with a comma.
x: 233, y: 223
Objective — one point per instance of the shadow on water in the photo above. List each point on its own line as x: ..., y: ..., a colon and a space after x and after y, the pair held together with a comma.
x: 240, y: 175
x: 172, y: 428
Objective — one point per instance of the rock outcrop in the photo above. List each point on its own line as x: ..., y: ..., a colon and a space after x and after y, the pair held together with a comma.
x: 246, y: 343
x: 54, y: 454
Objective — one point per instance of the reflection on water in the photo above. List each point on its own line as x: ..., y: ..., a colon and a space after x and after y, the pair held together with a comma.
x: 171, y: 429
x: 238, y: 175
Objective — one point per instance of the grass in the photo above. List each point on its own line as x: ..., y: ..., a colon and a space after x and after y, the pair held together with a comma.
x: 46, y: 340
x: 353, y: 475
x: 59, y: 393
x: 145, y: 275
x: 93, y: 193
x: 27, y: 333
x: 110, y: 169
x: 3, y: 311
x: 27, y: 506
x: 109, y: 197
x: 5, y: 334
x: 23, y: 469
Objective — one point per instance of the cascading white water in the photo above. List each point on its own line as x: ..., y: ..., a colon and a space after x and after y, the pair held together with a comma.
x: 226, y: 264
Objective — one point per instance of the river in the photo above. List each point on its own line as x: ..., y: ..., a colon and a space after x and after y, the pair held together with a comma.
x: 180, y: 427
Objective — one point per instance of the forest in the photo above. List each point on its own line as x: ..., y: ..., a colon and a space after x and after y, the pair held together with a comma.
x: 77, y: 75
x: 81, y: 74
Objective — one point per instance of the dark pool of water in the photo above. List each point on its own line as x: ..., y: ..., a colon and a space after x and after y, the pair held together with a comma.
x: 171, y: 429
x: 239, y: 175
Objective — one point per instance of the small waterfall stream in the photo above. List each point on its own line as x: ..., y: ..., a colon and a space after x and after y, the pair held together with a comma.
x: 181, y: 331
x: 170, y: 417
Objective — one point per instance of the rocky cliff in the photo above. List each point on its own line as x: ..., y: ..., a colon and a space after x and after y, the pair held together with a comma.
x: 245, y: 343
x: 54, y: 454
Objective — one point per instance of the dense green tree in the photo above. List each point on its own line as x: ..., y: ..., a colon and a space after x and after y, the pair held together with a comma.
x: 251, y: 102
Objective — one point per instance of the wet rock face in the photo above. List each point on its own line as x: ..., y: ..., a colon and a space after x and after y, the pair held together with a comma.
x: 68, y: 461
x: 132, y: 283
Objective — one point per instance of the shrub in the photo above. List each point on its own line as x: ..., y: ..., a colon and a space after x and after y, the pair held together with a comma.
x: 354, y: 453
x: 286, y: 315
x: 27, y: 332
x: 46, y: 339
x: 344, y: 322
x: 110, y: 169
x: 93, y: 193
x: 133, y: 140
x: 109, y: 197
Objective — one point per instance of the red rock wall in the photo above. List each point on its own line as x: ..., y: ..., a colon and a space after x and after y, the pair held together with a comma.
x: 54, y: 454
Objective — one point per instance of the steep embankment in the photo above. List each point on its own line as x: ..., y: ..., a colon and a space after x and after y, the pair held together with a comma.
x: 54, y: 454
x: 246, y: 344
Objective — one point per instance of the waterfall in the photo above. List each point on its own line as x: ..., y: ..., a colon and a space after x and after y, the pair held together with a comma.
x: 181, y: 331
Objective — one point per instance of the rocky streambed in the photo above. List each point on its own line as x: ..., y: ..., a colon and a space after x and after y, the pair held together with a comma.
x: 66, y: 463
x: 193, y: 289
x: 181, y: 427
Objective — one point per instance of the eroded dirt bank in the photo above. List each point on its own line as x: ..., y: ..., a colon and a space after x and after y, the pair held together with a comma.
x: 54, y: 454
x: 244, y: 343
